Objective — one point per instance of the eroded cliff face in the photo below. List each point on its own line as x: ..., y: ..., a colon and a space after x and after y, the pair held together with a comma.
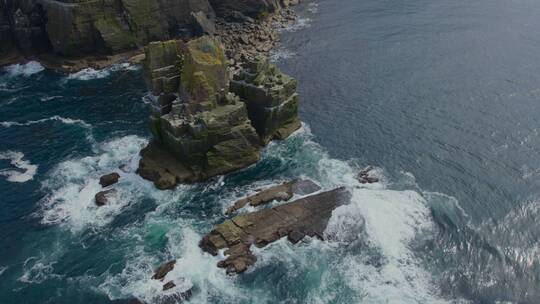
x: 200, y: 127
x: 77, y: 28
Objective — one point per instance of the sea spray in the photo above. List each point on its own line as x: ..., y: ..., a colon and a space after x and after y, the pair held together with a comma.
x: 26, y: 69
x: 26, y: 172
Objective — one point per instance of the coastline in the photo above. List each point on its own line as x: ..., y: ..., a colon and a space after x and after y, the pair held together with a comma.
x: 244, y: 39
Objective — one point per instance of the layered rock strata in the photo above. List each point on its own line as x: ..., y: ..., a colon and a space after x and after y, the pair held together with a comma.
x: 85, y: 32
x: 305, y: 217
x: 199, y: 129
x: 271, y: 99
x: 282, y: 192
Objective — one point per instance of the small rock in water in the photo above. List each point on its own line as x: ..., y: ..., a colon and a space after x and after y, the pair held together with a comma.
x: 109, y: 179
x: 169, y: 285
x: 102, y: 197
x: 163, y: 270
x: 364, y: 178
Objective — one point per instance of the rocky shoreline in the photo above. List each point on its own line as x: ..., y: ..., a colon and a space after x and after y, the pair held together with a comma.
x: 71, y: 35
x: 216, y: 103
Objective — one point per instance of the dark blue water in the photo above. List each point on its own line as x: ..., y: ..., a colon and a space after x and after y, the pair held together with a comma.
x: 442, y: 98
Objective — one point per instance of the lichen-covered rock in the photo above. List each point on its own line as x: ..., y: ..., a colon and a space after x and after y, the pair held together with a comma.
x: 271, y: 99
x: 307, y: 216
x: 90, y: 27
x: 282, y: 192
x: 200, y: 130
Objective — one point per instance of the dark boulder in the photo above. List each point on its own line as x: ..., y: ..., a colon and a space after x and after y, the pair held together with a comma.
x: 109, y: 179
x: 163, y: 270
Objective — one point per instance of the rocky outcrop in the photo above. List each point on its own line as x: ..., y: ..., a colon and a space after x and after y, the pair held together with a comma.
x: 282, y: 192
x: 200, y: 130
x: 271, y: 99
x: 102, y: 197
x: 364, y: 177
x: 307, y: 216
x: 87, y: 30
x: 109, y: 179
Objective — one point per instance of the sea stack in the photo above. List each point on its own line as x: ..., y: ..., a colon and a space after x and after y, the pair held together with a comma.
x: 200, y: 128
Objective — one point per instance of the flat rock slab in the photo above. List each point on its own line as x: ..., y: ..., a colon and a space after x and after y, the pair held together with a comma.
x: 306, y: 216
x: 282, y: 192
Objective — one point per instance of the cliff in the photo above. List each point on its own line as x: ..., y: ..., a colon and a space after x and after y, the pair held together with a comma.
x: 80, y: 28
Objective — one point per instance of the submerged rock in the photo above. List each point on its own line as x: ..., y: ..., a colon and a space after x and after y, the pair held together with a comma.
x: 109, y: 179
x: 170, y: 295
x: 282, y: 192
x: 102, y: 197
x: 271, y: 99
x: 364, y: 177
x: 307, y: 216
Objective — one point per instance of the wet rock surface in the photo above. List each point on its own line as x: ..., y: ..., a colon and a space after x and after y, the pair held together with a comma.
x: 364, y: 177
x: 282, y: 192
x: 109, y: 179
x: 170, y: 295
x: 102, y: 197
x: 304, y: 217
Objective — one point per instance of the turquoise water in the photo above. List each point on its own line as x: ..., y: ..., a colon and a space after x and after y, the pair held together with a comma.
x: 441, y: 98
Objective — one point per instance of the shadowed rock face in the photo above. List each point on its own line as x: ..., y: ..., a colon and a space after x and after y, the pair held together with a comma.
x: 307, y: 216
x: 271, y: 99
x: 82, y: 27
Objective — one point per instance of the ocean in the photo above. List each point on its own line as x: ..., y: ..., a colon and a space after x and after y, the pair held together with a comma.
x: 441, y: 98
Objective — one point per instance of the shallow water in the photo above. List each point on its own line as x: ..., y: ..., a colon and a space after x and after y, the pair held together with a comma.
x: 440, y: 98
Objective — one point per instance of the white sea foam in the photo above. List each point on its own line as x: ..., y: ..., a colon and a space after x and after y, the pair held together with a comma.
x: 192, y: 268
x: 3, y: 269
x: 27, y: 69
x: 313, y: 7
x: 296, y: 25
x: 281, y: 54
x: 26, y: 172
x: 91, y: 74
x: 69, y: 121
x: 38, y: 269
x: 64, y: 120
x: 73, y: 184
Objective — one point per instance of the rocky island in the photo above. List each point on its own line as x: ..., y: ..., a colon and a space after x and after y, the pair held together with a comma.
x: 205, y: 124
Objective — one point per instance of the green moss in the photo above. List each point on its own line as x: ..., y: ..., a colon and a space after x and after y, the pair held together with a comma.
x: 116, y: 38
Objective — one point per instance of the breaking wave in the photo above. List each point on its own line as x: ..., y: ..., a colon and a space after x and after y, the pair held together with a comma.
x: 74, y: 183
x: 26, y: 172
x: 26, y: 69
x: 91, y: 74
